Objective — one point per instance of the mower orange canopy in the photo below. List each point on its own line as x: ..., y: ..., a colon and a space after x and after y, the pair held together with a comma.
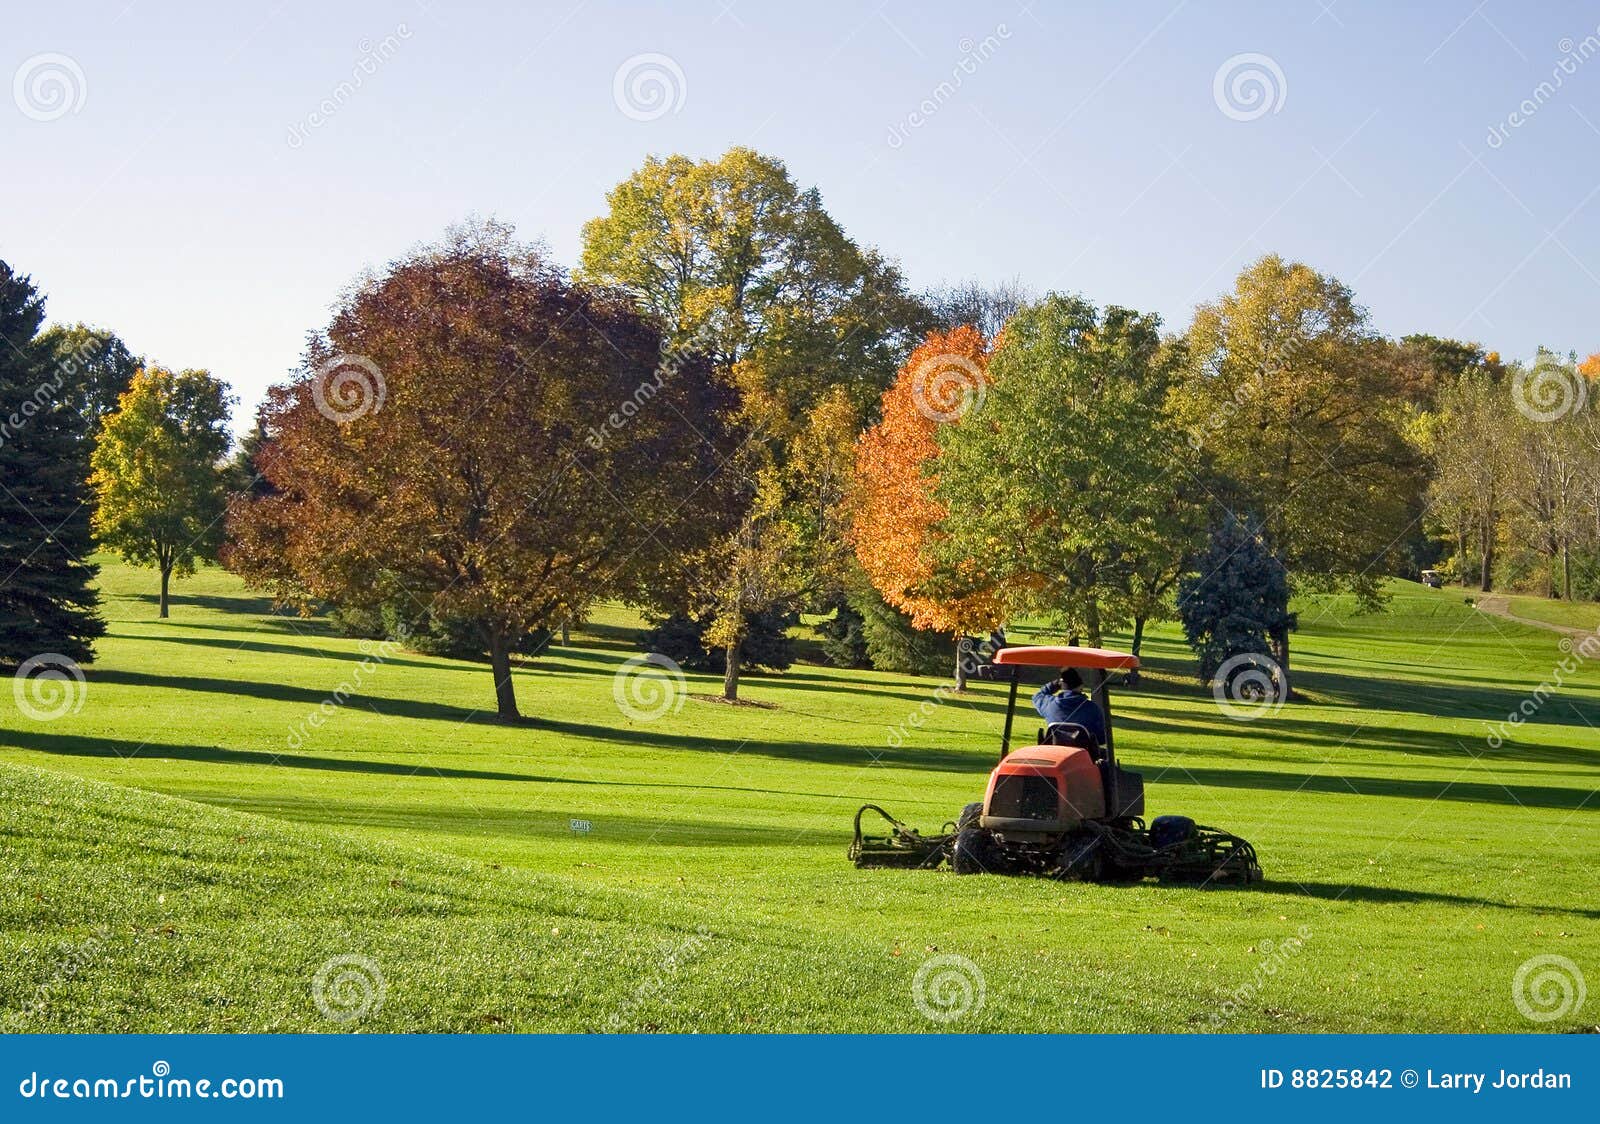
x: 1065, y: 657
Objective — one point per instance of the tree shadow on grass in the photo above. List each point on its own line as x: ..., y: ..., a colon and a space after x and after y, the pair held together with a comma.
x: 1439, y: 700
x: 272, y: 648
x: 1474, y: 792
x: 606, y: 828
x: 77, y: 745
x: 1284, y: 727
x: 233, y: 604
x: 1385, y: 895
x: 319, y: 627
x: 310, y: 697
x: 617, y: 736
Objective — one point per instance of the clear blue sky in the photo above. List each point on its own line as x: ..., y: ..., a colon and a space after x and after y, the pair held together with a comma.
x: 182, y: 196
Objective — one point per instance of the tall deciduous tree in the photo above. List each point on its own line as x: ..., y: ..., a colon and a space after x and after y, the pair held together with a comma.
x: 1060, y: 482
x: 896, y: 511
x: 1468, y: 440
x: 47, y: 600
x: 469, y: 476
x: 158, y: 473
x: 746, y: 266
x: 1313, y: 440
x: 738, y: 259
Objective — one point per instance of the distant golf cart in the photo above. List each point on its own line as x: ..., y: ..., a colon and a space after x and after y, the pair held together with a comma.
x: 1063, y: 807
x: 1433, y: 579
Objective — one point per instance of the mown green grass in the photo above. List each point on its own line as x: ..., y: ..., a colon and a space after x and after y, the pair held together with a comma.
x: 1569, y: 614
x: 1422, y: 859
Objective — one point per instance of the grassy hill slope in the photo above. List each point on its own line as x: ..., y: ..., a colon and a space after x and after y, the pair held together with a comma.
x: 1416, y: 859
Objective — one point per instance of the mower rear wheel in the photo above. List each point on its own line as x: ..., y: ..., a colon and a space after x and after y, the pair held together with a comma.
x: 974, y: 852
x: 969, y: 815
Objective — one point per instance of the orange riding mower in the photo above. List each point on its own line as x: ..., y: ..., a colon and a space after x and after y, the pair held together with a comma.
x: 1063, y: 808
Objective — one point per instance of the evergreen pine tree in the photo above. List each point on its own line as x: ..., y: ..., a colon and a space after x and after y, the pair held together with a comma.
x: 47, y: 600
x: 1236, y: 600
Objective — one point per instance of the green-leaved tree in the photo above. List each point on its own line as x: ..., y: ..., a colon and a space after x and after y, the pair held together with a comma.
x: 158, y: 473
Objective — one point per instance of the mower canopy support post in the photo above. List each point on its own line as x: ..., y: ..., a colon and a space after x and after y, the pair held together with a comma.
x: 1102, y: 699
x: 1011, y: 709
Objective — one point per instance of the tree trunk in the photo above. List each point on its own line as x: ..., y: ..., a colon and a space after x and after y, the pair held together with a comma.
x: 730, y: 677
x: 1486, y: 542
x: 566, y: 633
x: 1091, y: 623
x: 963, y: 660
x: 1138, y: 633
x: 1280, y: 654
x: 166, y: 582
x: 1566, y: 569
x: 505, y: 692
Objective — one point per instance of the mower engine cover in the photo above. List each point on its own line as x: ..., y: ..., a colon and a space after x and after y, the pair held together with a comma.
x: 1044, y: 788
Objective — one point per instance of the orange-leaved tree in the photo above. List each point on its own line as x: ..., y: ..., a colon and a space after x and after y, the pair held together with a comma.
x: 896, y: 516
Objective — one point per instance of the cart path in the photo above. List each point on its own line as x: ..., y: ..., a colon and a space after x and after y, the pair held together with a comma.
x: 1499, y: 605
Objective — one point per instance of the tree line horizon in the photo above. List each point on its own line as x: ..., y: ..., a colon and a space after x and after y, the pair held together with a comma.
x: 731, y: 413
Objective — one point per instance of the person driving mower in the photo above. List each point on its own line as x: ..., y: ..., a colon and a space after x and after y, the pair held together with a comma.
x: 1062, y: 702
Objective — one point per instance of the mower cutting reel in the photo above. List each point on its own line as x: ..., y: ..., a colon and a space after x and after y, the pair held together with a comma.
x: 1064, y: 809
x: 902, y: 847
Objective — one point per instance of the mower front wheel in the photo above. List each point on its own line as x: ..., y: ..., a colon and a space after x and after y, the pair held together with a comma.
x: 974, y: 852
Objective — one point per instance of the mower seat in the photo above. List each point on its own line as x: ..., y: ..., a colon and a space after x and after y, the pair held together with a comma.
x: 1070, y: 735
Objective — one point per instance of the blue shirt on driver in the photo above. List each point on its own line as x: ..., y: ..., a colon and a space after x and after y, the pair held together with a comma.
x: 1056, y: 703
